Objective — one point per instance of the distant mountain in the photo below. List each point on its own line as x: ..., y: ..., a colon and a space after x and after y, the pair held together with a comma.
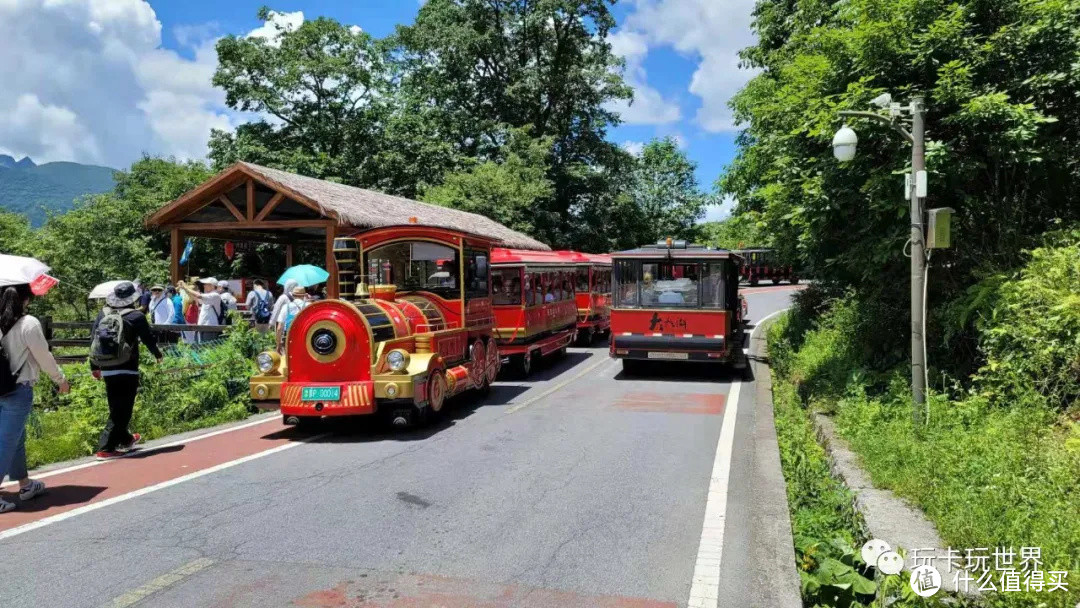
x: 31, y: 189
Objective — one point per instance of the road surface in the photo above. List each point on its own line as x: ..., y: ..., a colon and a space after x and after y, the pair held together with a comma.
x: 580, y: 486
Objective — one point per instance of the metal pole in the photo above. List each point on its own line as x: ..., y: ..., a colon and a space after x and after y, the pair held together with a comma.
x: 918, y: 263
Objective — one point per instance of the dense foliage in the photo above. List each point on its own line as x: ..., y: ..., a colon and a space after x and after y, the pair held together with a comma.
x: 1000, y: 83
x: 496, y: 107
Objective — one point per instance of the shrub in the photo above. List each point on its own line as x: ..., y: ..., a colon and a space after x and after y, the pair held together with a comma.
x: 194, y: 387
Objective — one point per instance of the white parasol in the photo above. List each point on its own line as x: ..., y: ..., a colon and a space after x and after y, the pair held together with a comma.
x: 104, y: 290
x: 18, y: 270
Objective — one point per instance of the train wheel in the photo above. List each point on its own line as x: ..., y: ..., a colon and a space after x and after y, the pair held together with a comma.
x: 631, y: 367
x: 494, y: 361
x: 753, y: 281
x: 585, y: 337
x: 524, y: 364
x: 478, y: 364
x: 776, y: 281
x: 794, y: 280
x: 436, y: 391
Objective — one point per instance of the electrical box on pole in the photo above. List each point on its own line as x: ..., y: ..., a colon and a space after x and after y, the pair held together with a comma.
x: 939, y: 228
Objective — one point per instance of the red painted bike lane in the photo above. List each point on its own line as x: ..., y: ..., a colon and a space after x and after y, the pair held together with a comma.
x: 96, y: 485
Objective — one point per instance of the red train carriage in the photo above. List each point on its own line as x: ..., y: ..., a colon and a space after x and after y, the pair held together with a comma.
x: 416, y: 329
x: 674, y: 301
x: 592, y: 284
x: 763, y: 265
x: 535, y: 309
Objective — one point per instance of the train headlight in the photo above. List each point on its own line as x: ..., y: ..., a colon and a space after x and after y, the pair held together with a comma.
x: 268, y: 362
x: 397, y: 360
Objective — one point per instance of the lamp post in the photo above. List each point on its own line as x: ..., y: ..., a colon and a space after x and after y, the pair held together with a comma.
x: 844, y: 144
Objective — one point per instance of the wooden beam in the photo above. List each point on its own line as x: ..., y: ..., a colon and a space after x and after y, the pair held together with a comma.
x: 289, y: 250
x: 274, y: 202
x: 174, y: 258
x: 264, y: 225
x: 331, y: 264
x: 246, y: 235
x: 224, y: 199
x: 250, y: 200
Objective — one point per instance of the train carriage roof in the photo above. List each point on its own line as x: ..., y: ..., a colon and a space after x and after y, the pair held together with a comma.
x: 679, y: 251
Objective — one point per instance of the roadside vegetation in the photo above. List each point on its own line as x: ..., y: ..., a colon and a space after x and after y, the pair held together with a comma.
x: 194, y: 387
x: 997, y: 464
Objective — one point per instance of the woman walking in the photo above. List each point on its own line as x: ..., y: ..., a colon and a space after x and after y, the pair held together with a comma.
x: 28, y: 355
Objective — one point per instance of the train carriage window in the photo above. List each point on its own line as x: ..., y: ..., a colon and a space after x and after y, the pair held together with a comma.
x: 567, y: 285
x: 538, y: 288
x: 670, y: 284
x: 583, y: 279
x: 506, y: 287
x: 713, y: 285
x: 627, y: 290
x: 415, y: 266
x: 476, y: 273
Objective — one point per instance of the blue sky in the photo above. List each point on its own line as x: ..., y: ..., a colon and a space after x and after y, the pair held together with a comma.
x: 103, y: 81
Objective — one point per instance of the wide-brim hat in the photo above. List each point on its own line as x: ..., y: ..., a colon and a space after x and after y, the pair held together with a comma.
x: 299, y: 292
x: 123, y: 295
x: 207, y: 281
x: 157, y: 288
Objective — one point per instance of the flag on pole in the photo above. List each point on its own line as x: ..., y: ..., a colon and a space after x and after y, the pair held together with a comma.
x: 187, y: 250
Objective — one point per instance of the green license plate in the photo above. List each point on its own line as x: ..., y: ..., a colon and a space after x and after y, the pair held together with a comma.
x: 320, y: 393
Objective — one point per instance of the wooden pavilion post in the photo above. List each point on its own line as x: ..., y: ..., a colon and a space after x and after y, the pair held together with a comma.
x: 250, y: 200
x: 331, y: 264
x: 174, y: 257
x: 289, y: 255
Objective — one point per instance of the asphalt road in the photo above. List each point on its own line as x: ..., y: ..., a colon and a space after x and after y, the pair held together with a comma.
x: 580, y: 486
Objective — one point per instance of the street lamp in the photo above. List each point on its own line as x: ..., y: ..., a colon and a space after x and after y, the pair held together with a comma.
x: 893, y: 114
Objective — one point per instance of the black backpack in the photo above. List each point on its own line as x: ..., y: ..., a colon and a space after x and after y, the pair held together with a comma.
x: 112, y: 344
x: 8, y: 378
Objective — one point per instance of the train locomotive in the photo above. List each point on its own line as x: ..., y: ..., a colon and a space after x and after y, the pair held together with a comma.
x: 413, y: 327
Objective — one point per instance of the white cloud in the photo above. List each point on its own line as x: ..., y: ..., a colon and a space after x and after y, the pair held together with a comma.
x: 634, y: 147
x: 713, y: 32
x: 88, y: 81
x: 721, y: 210
x: 277, y: 23
x: 648, y: 106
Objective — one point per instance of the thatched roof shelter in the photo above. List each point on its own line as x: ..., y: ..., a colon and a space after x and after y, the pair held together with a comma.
x: 252, y: 202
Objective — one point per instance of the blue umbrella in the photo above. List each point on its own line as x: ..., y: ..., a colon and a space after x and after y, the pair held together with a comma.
x: 305, y: 275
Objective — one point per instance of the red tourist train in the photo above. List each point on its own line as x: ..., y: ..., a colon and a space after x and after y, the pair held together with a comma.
x: 592, y: 286
x: 417, y: 331
x: 674, y: 301
x: 763, y: 265
x: 536, y: 312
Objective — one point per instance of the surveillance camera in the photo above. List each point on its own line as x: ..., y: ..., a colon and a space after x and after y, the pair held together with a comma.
x: 882, y: 101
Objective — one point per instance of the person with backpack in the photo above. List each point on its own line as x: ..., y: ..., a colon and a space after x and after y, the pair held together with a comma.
x: 258, y: 302
x: 114, y: 358
x: 288, y: 313
x: 211, y: 306
x: 161, y: 306
x: 24, y: 354
x: 282, y: 301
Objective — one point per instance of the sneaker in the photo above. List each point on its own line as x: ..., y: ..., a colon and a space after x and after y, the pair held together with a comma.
x: 108, y: 455
x: 135, y: 439
x: 35, y: 489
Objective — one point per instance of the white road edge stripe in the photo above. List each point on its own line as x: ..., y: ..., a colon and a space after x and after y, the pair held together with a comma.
x: 41, y: 523
x: 705, y: 586
x: 144, y: 450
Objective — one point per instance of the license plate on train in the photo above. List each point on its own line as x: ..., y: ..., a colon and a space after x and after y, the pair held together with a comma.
x: 320, y: 393
x: 669, y: 355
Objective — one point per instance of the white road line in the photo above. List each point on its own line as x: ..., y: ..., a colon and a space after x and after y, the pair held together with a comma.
x: 705, y: 586
x: 150, y: 450
x: 41, y: 523
x: 557, y: 387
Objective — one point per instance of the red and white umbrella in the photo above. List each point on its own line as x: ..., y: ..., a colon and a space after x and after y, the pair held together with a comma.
x: 17, y: 270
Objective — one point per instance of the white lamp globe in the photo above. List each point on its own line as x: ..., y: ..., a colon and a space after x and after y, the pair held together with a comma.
x: 843, y: 144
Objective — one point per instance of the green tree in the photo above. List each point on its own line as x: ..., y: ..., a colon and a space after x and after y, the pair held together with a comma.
x: 508, y: 190
x: 482, y: 66
x: 738, y: 231
x: 666, y: 191
x: 16, y: 236
x: 1000, y: 83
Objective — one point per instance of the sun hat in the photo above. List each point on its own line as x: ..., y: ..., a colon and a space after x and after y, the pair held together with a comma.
x: 207, y: 281
x: 157, y: 288
x: 299, y: 292
x: 123, y: 295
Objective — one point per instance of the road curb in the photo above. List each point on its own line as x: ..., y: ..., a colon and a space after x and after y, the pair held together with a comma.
x: 775, y: 577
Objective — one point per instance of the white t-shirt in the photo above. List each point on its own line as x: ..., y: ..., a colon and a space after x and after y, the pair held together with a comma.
x: 279, y: 305
x: 161, y: 310
x: 211, y: 307
x: 671, y: 297
x: 229, y: 300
